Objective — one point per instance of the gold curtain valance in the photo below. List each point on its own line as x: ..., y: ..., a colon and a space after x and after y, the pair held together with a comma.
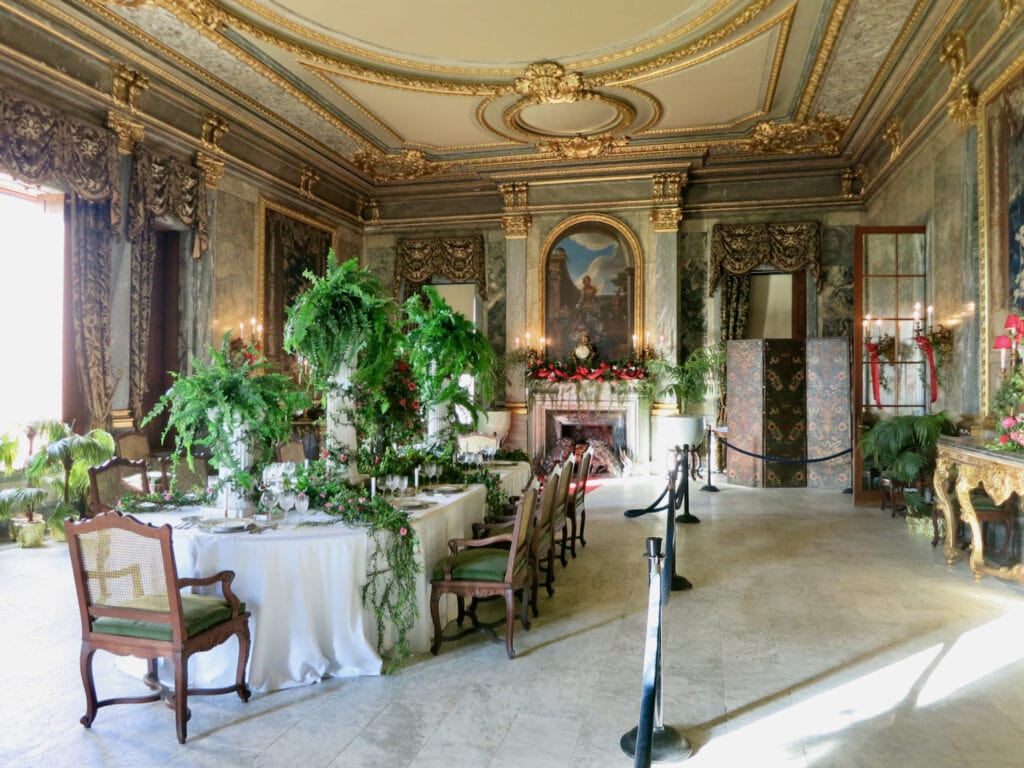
x: 165, y: 186
x: 460, y: 259
x: 740, y: 248
x: 41, y: 145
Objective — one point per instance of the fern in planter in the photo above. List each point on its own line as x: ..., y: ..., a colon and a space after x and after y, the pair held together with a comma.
x: 442, y: 345
x: 903, y: 447
x: 232, y: 391
x: 689, y: 381
x: 340, y: 315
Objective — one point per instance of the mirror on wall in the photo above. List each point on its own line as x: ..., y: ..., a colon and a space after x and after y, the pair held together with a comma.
x: 890, y: 301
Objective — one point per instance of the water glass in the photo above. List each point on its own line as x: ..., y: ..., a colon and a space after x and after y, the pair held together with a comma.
x: 301, y: 503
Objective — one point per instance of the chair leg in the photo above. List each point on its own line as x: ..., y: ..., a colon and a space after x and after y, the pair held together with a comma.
x: 549, y: 576
x: 533, y: 588
x: 244, y: 645
x: 510, y: 621
x: 564, y: 545
x: 435, y: 615
x: 583, y: 524
x: 572, y: 534
x: 461, y: 602
x: 181, y: 713
x: 85, y: 662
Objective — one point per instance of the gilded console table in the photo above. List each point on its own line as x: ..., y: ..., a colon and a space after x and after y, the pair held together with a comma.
x: 1001, y: 472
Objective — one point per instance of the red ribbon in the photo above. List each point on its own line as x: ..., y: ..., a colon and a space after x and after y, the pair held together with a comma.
x: 926, y: 346
x: 876, y: 387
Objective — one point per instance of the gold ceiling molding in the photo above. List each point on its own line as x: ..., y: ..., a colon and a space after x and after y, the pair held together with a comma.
x: 580, y: 147
x: 212, y: 168
x: 825, y: 50
x: 822, y: 133
x: 212, y: 131
x: 407, y: 165
x: 127, y: 86
x: 962, y: 107
x: 547, y: 82
x: 1009, y: 8
x: 129, y: 133
x: 369, y: 209
x: 953, y: 51
x: 892, y: 135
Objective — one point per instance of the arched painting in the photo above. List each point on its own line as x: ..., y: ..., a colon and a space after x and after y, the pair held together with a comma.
x: 590, y: 290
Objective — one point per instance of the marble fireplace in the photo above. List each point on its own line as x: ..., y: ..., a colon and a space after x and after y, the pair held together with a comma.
x: 613, y: 411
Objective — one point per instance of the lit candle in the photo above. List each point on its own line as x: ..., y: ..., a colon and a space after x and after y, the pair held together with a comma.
x: 252, y: 327
x: 878, y: 322
x: 259, y: 331
x: 241, y: 331
x: 517, y: 342
x: 661, y: 341
x: 527, y: 341
x: 647, y: 339
x: 542, y: 342
x: 634, y: 341
x: 1002, y: 359
x: 930, y: 310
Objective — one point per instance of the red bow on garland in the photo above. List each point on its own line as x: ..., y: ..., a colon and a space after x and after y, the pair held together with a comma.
x: 925, y: 345
x: 876, y: 387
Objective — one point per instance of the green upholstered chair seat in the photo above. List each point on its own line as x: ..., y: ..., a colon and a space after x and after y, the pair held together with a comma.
x: 483, y: 564
x: 201, y: 613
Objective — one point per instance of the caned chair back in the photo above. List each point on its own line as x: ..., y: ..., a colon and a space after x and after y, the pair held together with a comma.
x: 582, y: 475
x: 133, y: 446
x: 546, y: 508
x: 113, y: 479
x: 558, y: 515
x: 522, y: 533
x: 124, y: 569
x: 293, y: 452
x: 184, y: 478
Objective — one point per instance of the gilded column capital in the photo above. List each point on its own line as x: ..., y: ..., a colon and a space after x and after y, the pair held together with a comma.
x: 666, y: 219
x: 516, y: 225
x: 127, y: 87
x: 369, y: 209
x: 212, y: 131
x: 963, y: 106
x: 213, y: 169
x: 852, y: 182
x: 308, y: 177
x: 129, y: 132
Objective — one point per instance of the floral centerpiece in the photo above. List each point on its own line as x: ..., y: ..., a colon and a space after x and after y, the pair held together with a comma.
x: 570, y: 370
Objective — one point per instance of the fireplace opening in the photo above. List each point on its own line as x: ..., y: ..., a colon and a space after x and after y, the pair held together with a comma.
x: 605, y: 431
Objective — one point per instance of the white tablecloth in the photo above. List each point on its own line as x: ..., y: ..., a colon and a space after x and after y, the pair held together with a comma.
x: 303, y: 587
x: 514, y: 475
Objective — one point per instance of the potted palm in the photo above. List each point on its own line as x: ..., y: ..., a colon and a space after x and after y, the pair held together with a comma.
x: 688, y: 382
x: 63, y: 464
x: 236, y: 408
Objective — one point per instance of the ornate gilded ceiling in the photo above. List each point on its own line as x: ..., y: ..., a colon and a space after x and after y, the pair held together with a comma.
x: 398, y: 90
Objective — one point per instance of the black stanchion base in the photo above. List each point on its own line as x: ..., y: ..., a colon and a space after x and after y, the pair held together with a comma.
x: 680, y: 583
x: 667, y: 746
x: 687, y: 518
x: 645, y: 511
x: 709, y: 488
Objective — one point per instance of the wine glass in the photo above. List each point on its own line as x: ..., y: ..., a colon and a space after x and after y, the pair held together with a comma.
x: 268, y: 500
x: 403, y: 484
x: 301, y: 503
x: 286, y: 501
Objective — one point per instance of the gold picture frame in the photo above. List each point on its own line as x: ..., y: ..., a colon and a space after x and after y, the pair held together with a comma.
x: 1000, y: 171
x: 289, y: 243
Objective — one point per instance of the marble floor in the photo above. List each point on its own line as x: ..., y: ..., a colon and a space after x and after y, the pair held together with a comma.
x: 816, y: 634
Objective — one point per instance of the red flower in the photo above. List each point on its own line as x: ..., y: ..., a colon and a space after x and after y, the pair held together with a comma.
x: 402, y: 402
x: 402, y: 366
x: 415, y: 405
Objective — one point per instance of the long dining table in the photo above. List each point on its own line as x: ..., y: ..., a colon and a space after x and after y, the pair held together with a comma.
x: 303, y: 586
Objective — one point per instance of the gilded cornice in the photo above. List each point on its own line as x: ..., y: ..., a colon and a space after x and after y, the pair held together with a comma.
x: 213, y: 169
x: 852, y: 182
x: 953, y: 51
x: 127, y: 86
x: 129, y: 133
x: 962, y: 107
x: 514, y: 195
x: 369, y: 209
x: 822, y: 133
x: 308, y: 177
x: 668, y: 187
x: 892, y: 135
x: 212, y: 131
x: 580, y: 147
x: 408, y: 164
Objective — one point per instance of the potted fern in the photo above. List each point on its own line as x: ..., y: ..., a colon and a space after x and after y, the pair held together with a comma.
x: 903, y: 448
x: 235, y: 407
x: 688, y: 382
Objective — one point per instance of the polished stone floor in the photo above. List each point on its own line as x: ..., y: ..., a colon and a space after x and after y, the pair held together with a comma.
x: 816, y: 634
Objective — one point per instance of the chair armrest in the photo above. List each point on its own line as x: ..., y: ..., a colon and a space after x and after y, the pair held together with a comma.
x: 454, y: 545
x: 482, y: 529
x: 225, y: 578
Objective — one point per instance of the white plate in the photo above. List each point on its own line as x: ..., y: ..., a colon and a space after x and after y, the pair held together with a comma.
x: 447, y: 489
x: 226, y: 525
x: 413, y: 504
x: 500, y: 464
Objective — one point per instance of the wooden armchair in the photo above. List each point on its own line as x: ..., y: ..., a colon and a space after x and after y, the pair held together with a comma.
x: 477, y: 568
x: 131, y: 604
x: 576, y: 509
x: 135, y: 446
x: 179, y: 476
x: 542, y: 545
x: 113, y: 479
x: 560, y: 514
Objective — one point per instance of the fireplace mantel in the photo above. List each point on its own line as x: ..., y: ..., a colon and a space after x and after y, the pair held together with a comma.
x: 591, y: 397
